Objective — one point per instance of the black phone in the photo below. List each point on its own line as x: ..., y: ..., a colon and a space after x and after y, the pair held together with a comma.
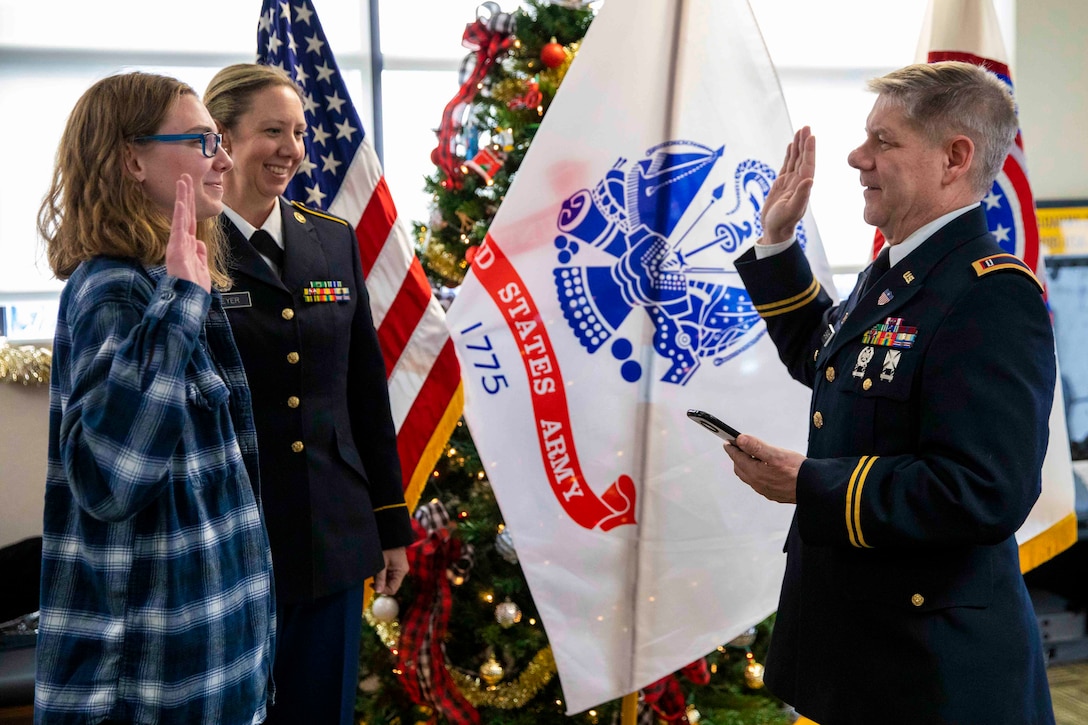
x: 715, y: 426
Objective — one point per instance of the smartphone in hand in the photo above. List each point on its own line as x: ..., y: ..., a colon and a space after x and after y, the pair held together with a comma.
x: 715, y: 426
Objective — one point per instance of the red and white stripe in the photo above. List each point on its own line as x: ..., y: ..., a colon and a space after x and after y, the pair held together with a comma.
x: 420, y: 361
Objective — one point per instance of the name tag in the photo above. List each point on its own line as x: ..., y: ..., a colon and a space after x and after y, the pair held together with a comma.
x: 232, y: 300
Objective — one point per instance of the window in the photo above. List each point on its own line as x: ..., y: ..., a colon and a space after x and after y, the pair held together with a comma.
x: 51, y: 51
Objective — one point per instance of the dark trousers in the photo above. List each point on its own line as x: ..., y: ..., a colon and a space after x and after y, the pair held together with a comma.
x: 317, y: 660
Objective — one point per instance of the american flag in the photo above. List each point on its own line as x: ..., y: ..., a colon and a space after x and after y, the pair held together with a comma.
x: 968, y: 30
x: 341, y: 174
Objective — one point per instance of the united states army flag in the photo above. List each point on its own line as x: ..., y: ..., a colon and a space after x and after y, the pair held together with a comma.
x: 602, y: 306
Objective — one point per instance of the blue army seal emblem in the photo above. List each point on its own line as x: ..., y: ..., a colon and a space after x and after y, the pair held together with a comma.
x: 660, y: 235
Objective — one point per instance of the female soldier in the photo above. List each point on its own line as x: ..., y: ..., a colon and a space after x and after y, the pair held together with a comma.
x: 333, y: 491
x: 157, y: 602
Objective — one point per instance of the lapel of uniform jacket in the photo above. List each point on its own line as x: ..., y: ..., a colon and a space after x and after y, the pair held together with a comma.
x: 304, y: 256
x: 244, y: 259
x: 906, y: 278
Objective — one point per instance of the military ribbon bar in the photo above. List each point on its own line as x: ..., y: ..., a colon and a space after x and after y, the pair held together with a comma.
x: 890, y: 333
x: 326, y: 291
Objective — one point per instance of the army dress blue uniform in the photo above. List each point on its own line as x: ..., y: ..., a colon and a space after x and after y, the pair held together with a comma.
x: 903, y: 600
x: 332, y: 489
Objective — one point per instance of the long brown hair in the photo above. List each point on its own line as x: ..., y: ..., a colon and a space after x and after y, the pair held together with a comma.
x: 94, y: 206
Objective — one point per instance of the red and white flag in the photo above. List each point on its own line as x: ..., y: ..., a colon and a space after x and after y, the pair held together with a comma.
x: 603, y: 305
x: 342, y: 175
x: 968, y: 30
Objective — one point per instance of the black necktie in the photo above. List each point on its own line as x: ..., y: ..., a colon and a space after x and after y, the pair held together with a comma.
x: 263, y: 242
x: 880, y: 266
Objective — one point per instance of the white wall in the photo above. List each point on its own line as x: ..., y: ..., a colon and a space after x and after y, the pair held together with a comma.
x: 24, y: 428
x: 1052, y: 90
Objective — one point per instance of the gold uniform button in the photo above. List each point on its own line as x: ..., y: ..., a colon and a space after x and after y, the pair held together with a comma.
x: 867, y: 384
x: 292, y: 357
x: 818, y: 419
x: 830, y: 374
x: 288, y: 313
x: 292, y: 402
x: 297, y: 448
x: 917, y: 600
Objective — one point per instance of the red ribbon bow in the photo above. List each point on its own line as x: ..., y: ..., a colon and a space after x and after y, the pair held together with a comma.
x: 489, y: 38
x: 421, y: 656
x: 667, y: 698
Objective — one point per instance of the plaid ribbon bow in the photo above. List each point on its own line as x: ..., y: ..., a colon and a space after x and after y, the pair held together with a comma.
x: 421, y: 657
x: 490, y: 36
x: 667, y: 698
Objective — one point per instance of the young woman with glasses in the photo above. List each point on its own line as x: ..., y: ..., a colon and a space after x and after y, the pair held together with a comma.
x: 157, y: 600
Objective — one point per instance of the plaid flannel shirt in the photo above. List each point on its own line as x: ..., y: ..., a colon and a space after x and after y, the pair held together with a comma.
x: 157, y: 601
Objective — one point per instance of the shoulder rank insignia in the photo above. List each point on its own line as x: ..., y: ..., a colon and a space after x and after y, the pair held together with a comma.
x: 321, y: 214
x: 998, y: 262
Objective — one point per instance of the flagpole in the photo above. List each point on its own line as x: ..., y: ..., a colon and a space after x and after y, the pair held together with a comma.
x: 629, y: 709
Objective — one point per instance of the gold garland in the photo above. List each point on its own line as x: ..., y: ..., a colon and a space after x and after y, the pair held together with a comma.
x: 445, y: 262
x: 25, y: 364
x: 507, y: 696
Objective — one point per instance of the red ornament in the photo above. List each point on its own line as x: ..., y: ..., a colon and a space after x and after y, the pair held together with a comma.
x: 553, y: 54
x: 470, y: 254
x: 486, y: 163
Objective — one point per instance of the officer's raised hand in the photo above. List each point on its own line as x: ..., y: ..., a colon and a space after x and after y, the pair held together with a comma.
x: 788, y: 198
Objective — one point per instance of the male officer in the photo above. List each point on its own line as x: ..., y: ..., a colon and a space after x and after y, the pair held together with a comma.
x: 932, y: 385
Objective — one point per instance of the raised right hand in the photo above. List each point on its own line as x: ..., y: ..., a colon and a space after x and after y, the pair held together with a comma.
x: 788, y: 198
x: 187, y: 256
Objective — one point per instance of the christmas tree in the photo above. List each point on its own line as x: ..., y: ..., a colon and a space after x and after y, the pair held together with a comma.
x: 463, y: 642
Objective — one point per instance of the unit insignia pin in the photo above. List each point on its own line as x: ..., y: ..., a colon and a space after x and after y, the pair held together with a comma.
x: 864, y: 357
x: 891, y: 361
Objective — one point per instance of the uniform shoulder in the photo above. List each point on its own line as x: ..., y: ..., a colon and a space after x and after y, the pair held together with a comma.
x: 306, y: 211
x: 1003, y: 262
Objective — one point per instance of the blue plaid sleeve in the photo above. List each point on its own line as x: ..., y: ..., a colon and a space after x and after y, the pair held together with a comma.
x: 157, y: 600
x: 126, y: 411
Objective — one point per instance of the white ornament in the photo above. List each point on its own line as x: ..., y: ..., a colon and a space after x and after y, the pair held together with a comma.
x: 504, y: 544
x: 507, y: 614
x: 385, y: 608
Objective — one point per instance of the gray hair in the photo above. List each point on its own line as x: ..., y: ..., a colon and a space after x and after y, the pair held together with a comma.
x: 950, y: 98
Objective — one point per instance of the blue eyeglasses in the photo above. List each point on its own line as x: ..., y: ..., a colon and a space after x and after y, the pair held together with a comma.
x: 209, y: 142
